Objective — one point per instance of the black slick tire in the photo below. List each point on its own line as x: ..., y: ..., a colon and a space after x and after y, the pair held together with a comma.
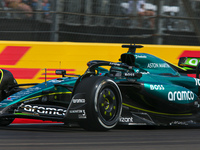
x: 103, y: 103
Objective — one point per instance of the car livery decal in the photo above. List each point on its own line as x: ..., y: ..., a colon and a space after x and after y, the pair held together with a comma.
x: 154, y: 112
x: 37, y: 97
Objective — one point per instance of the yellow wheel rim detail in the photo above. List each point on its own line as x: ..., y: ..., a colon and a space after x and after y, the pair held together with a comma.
x: 108, y: 92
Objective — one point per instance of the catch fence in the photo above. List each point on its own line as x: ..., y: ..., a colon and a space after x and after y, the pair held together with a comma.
x: 174, y: 22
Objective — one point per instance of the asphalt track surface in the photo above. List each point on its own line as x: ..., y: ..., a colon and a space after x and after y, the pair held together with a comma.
x: 60, y: 137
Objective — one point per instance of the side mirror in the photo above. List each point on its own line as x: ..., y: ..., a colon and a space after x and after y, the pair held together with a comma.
x: 61, y: 72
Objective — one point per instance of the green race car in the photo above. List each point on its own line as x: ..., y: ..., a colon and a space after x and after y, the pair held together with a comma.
x: 140, y: 89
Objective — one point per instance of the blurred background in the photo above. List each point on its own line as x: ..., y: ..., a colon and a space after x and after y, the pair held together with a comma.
x: 162, y: 22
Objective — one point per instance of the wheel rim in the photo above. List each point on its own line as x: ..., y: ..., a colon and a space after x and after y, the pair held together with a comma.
x: 107, y: 105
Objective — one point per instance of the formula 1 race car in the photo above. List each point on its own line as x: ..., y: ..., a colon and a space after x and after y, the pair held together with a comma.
x: 141, y: 89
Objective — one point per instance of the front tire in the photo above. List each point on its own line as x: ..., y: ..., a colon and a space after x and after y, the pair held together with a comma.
x: 104, y: 103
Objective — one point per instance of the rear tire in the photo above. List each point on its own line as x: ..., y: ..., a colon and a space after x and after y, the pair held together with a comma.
x: 103, y: 103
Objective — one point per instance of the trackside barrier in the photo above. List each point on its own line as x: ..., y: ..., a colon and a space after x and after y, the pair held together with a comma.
x: 27, y: 60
